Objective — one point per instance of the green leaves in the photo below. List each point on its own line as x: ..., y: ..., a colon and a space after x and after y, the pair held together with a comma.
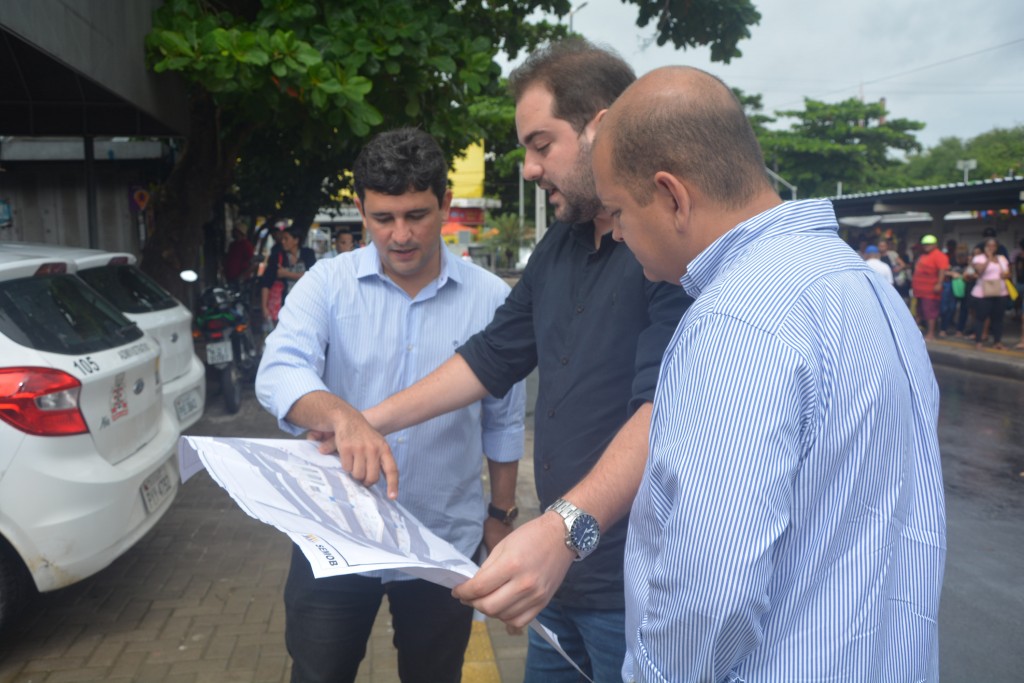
x: 851, y: 141
x: 719, y: 24
x: 299, y: 84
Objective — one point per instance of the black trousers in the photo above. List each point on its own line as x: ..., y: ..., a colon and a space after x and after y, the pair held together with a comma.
x: 992, y: 308
x: 328, y: 622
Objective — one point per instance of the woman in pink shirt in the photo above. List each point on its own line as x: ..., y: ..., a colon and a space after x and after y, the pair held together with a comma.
x: 989, y: 293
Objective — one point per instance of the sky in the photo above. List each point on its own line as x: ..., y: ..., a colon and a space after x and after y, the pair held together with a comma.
x: 956, y: 66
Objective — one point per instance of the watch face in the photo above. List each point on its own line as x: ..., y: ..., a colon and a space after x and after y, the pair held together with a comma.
x: 585, y: 533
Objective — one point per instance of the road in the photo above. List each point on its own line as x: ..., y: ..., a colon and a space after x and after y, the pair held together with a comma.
x: 981, y: 433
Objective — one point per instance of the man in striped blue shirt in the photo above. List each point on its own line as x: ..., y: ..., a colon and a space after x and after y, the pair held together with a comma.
x: 356, y: 329
x: 790, y: 524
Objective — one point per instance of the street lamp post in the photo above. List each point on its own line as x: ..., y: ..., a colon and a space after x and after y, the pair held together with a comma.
x: 573, y: 11
x: 967, y: 165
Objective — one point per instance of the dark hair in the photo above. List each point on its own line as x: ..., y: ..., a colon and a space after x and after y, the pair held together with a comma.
x: 400, y: 161
x: 582, y: 78
x: 701, y: 134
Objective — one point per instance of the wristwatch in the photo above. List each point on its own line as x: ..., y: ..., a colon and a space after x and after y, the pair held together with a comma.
x: 582, y: 531
x: 503, y: 516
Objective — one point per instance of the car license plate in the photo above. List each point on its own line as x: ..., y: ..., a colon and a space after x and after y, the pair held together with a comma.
x: 156, y: 488
x: 218, y: 352
x: 187, y: 405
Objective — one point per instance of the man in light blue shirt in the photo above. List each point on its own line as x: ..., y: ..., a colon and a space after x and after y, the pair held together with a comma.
x: 356, y: 329
x: 790, y: 523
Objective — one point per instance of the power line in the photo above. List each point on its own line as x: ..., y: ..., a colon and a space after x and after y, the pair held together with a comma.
x: 921, y: 68
x: 945, y: 61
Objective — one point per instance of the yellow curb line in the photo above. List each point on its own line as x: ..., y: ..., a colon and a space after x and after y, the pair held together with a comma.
x: 480, y: 665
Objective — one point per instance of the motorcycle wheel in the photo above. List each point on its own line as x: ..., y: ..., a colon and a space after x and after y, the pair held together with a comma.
x: 230, y: 383
x: 250, y: 357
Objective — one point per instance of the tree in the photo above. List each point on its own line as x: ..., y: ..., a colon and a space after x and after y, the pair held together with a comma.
x: 721, y: 25
x: 851, y: 142
x: 937, y: 165
x: 504, y: 235
x: 296, y: 86
x: 753, y: 108
x: 998, y: 153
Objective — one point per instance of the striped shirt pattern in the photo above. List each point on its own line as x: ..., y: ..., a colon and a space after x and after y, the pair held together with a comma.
x: 348, y: 329
x: 790, y: 525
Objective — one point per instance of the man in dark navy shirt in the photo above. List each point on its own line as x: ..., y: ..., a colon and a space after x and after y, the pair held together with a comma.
x: 595, y: 328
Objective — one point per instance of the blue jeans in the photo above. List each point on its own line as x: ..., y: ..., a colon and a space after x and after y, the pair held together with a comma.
x: 947, y: 308
x: 594, y: 638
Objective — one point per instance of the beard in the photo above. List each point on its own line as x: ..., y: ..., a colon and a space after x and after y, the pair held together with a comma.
x: 580, y: 203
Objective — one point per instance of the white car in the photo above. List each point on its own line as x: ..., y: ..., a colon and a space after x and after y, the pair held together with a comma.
x: 88, y: 463
x: 153, y: 309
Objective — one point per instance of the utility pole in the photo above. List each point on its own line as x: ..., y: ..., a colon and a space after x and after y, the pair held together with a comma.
x: 573, y: 11
x: 522, y: 199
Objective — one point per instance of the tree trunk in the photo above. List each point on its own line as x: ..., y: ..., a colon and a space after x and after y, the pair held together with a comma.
x: 186, y: 200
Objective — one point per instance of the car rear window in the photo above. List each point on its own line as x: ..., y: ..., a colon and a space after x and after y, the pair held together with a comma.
x: 128, y: 288
x: 57, y: 314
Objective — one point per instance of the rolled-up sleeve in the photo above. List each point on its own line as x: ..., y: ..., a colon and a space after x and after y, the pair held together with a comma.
x: 505, y: 351
x: 293, y: 360
x: 503, y: 424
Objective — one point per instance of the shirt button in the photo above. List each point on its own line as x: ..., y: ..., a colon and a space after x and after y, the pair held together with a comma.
x: 565, y: 361
x: 551, y: 413
x: 409, y: 347
x: 547, y: 467
x: 579, y: 308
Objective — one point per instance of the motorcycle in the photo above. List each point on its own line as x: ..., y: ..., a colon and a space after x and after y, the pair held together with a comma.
x: 222, y: 321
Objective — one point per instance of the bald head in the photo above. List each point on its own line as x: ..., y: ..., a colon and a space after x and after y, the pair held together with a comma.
x: 686, y: 122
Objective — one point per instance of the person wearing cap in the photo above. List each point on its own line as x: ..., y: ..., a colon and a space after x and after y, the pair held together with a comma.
x: 929, y: 272
x: 873, y: 257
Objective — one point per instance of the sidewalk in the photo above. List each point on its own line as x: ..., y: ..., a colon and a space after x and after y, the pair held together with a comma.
x: 959, y: 352
x: 199, y: 598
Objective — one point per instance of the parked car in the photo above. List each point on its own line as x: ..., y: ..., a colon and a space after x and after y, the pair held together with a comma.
x: 88, y: 460
x: 154, y: 310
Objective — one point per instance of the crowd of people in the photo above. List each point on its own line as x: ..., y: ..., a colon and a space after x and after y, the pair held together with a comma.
x: 957, y: 291
x: 268, y: 272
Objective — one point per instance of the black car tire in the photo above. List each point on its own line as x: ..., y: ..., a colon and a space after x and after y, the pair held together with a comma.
x: 16, y: 586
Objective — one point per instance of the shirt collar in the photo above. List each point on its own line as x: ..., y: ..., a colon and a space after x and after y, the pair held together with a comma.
x: 583, y: 233
x: 787, y: 217
x: 368, y: 265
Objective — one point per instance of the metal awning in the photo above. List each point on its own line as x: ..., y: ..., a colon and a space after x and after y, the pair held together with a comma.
x: 936, y: 200
x: 43, y: 97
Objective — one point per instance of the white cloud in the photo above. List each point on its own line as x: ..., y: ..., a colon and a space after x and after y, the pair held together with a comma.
x: 934, y: 61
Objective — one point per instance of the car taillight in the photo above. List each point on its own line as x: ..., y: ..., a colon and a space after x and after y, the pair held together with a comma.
x: 216, y: 324
x: 41, y: 401
x: 52, y: 269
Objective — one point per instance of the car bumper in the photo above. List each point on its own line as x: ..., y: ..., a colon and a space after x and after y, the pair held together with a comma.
x: 185, y: 396
x: 69, y: 513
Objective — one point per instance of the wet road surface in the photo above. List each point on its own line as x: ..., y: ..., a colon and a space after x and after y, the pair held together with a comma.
x: 981, y: 436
